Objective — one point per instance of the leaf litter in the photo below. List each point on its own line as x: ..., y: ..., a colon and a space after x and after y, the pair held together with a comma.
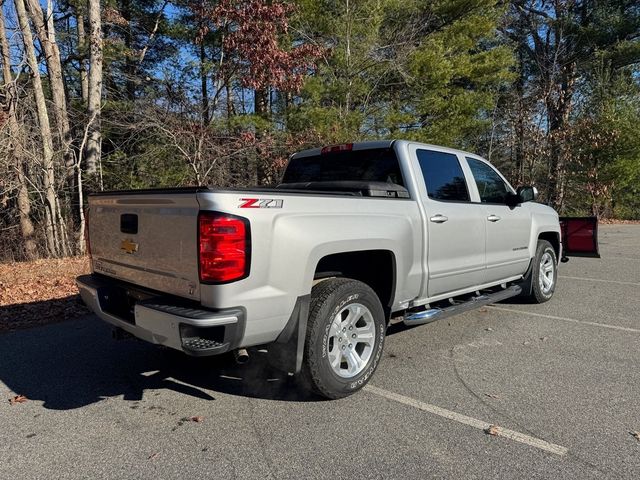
x: 18, y: 399
x: 40, y: 292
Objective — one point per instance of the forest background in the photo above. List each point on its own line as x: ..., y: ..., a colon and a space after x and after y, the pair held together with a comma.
x: 144, y: 93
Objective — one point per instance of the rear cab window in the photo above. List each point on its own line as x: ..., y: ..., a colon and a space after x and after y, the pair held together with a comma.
x: 369, y: 165
x: 443, y: 176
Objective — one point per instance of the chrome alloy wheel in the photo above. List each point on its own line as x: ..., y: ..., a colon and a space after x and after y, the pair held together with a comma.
x: 352, y: 336
x: 547, y: 273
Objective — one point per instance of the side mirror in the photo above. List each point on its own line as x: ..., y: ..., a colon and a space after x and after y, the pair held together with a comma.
x: 527, y: 193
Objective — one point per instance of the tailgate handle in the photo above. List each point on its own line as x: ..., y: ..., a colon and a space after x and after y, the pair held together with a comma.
x: 129, y: 223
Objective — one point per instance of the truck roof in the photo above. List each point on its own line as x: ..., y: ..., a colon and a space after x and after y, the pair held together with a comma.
x: 380, y: 144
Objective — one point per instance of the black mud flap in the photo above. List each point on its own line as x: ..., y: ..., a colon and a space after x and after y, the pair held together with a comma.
x: 526, y: 283
x: 579, y: 236
x: 287, y: 351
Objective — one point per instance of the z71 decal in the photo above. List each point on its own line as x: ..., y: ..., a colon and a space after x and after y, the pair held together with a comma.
x: 260, y: 203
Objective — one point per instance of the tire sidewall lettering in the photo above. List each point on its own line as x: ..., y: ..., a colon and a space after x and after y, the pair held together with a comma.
x: 318, y: 368
x: 372, y: 368
x: 549, y: 294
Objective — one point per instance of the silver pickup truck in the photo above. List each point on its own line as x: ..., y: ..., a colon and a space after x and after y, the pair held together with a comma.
x: 315, y: 268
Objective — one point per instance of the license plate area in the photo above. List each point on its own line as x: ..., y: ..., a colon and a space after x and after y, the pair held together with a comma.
x: 120, y: 302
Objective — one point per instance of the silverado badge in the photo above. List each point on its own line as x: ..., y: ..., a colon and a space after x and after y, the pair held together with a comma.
x: 129, y: 246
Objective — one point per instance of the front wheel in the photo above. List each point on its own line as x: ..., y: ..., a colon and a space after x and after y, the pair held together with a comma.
x: 345, y: 337
x: 544, y: 274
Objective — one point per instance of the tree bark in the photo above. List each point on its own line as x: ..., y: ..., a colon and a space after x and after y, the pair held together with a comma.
x: 260, y: 102
x: 230, y: 108
x: 51, y: 207
x: 203, y: 85
x: 23, y: 201
x: 47, y: 35
x: 94, y: 142
x: 559, y: 108
x: 130, y: 65
x: 82, y: 42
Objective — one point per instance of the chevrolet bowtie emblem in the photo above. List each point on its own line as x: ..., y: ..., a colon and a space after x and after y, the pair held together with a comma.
x: 129, y: 246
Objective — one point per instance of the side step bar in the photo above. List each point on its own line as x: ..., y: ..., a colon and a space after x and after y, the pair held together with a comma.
x: 433, y: 314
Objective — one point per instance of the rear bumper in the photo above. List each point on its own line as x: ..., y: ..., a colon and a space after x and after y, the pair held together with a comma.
x: 162, y: 320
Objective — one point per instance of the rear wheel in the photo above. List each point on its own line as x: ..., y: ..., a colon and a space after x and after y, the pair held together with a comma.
x: 544, y: 273
x: 345, y: 337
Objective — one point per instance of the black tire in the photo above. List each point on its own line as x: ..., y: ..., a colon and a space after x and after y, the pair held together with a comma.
x: 328, y: 299
x: 539, y: 292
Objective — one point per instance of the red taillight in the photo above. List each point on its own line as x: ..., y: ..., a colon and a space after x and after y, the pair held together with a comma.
x: 223, y: 247
x: 345, y: 147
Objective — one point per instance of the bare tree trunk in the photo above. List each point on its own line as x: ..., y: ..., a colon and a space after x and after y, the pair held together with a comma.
x: 24, y: 213
x: 558, y: 113
x: 230, y: 109
x: 94, y: 142
x: 261, y: 108
x: 347, y: 99
x: 24, y: 204
x: 203, y: 85
x: 261, y: 102
x: 47, y: 35
x: 520, y: 112
x: 51, y: 227
x: 82, y: 42
x: 83, y: 224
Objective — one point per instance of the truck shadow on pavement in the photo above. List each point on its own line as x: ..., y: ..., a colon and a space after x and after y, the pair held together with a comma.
x: 76, y: 363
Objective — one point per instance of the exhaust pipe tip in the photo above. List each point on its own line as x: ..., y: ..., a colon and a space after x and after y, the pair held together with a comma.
x: 241, y: 355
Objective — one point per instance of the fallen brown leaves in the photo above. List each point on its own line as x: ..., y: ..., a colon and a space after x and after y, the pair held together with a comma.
x: 40, y: 292
x: 17, y: 399
x: 635, y: 435
x: 492, y: 430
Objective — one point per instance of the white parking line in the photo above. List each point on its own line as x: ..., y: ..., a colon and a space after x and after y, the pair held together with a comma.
x: 565, y: 319
x: 471, y: 422
x: 600, y: 280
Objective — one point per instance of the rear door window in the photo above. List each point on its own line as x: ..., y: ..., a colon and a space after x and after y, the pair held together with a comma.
x: 371, y: 165
x: 443, y: 176
x: 491, y: 187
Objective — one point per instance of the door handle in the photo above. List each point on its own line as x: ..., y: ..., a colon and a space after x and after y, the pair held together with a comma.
x: 439, y: 218
x: 493, y: 218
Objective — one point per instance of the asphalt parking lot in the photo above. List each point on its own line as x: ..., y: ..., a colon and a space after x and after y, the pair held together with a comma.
x: 560, y: 380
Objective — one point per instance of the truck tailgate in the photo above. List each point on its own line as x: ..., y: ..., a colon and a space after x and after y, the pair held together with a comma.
x: 147, y: 239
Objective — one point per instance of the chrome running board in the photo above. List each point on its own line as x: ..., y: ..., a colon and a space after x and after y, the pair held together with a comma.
x: 432, y: 314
